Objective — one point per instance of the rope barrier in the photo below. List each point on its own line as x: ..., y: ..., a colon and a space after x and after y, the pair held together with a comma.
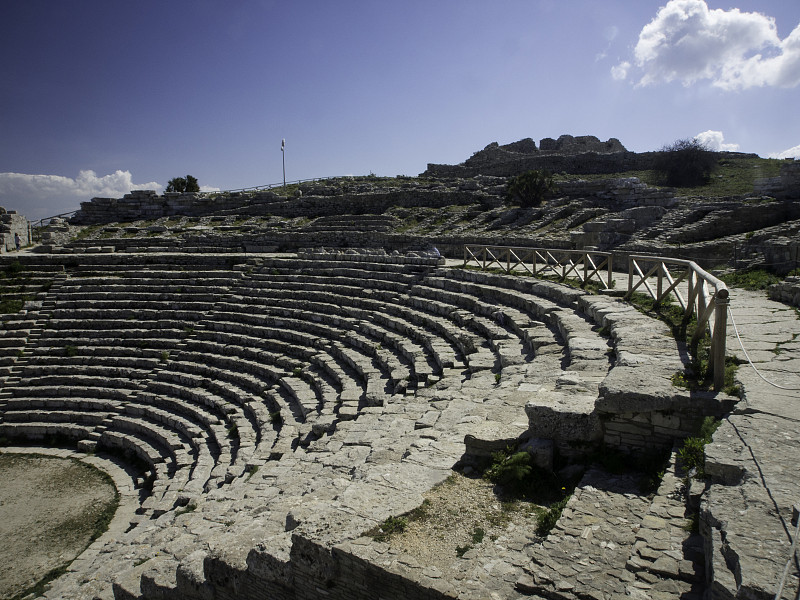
x: 747, y: 356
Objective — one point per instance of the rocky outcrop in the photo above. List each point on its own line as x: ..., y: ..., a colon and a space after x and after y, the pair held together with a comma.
x: 581, y: 154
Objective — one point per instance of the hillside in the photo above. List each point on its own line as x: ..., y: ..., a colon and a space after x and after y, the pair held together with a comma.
x: 746, y: 215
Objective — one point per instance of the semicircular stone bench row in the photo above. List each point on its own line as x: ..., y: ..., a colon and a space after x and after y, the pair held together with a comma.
x: 404, y: 305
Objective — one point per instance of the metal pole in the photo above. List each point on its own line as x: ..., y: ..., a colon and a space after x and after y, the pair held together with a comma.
x: 283, y: 157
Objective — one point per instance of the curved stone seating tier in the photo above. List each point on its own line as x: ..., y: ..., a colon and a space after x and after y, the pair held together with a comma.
x: 109, y: 367
x: 300, y: 346
x: 441, y: 340
x: 78, y: 381
x: 351, y: 326
x: 354, y: 264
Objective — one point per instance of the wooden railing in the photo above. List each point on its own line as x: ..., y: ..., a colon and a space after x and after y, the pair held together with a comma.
x: 706, y: 297
x: 697, y: 292
x: 582, y: 265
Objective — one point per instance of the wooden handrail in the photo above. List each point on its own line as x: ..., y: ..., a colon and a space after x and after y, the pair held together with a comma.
x: 707, y: 297
x: 586, y: 265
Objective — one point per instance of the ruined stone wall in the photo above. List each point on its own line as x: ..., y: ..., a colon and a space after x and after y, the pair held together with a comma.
x: 786, y: 185
x: 144, y: 205
x: 57, y: 233
x: 588, y: 163
x: 787, y: 291
x: 10, y: 223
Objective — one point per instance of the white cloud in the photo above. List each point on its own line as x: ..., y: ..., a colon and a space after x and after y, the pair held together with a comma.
x: 39, y: 196
x: 790, y: 153
x: 208, y: 188
x: 620, y: 71
x: 688, y: 42
x: 611, y: 32
x: 715, y: 141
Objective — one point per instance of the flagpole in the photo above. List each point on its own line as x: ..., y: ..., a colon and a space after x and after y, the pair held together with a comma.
x: 283, y: 156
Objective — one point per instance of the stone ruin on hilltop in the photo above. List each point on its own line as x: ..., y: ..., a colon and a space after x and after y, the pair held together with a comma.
x: 584, y: 154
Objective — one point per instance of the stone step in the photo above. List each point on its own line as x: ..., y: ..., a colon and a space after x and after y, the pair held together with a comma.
x: 588, y: 553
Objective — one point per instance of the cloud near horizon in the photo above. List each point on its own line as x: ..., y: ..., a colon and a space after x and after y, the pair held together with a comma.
x: 716, y: 141
x: 40, y: 196
x: 790, y: 153
x: 688, y: 42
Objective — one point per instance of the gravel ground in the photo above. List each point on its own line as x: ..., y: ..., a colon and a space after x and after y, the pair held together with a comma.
x: 454, y: 515
x: 48, y: 511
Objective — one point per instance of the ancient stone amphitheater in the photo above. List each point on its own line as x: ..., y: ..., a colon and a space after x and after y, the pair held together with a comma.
x: 261, y: 411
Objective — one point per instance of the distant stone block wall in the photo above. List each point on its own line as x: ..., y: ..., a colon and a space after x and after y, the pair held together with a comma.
x: 10, y: 223
x: 146, y: 204
x: 786, y: 185
x: 787, y: 291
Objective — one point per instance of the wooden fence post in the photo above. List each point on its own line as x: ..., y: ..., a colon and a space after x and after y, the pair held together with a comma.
x: 719, y: 338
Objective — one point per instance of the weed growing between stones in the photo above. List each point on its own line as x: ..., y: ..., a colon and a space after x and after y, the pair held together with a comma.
x: 9, y: 306
x: 191, y: 507
x: 692, y: 452
x: 520, y: 480
x: 391, y: 525
x: 548, y: 517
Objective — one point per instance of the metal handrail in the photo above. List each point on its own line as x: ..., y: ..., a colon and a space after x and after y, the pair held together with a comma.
x: 256, y: 188
x: 707, y: 297
x: 271, y: 186
x: 40, y: 222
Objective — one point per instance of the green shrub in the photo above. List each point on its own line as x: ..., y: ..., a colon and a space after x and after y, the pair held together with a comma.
x: 390, y: 526
x: 750, y: 279
x: 547, y: 518
x: 530, y: 188
x: 10, y: 306
x: 692, y: 453
x: 14, y: 268
x: 685, y: 163
x: 477, y: 535
x: 510, y: 470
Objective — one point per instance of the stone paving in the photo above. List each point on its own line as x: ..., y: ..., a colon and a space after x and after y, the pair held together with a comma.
x: 747, y: 512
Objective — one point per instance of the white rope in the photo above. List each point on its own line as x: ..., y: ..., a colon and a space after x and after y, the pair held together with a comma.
x: 788, y: 562
x: 747, y: 356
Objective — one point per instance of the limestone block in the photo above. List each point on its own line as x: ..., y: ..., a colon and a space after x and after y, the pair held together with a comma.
x: 563, y: 417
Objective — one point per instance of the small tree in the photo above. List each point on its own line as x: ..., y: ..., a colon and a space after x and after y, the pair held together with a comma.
x: 530, y: 188
x: 685, y: 163
x: 183, y: 184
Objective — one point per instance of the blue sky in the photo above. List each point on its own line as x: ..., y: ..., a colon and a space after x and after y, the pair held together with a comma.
x: 98, y: 96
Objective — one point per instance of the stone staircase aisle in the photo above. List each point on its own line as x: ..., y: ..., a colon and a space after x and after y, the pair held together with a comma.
x: 613, y: 541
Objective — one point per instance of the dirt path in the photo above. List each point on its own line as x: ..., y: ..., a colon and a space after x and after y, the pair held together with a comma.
x: 460, y: 515
x: 49, y: 510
